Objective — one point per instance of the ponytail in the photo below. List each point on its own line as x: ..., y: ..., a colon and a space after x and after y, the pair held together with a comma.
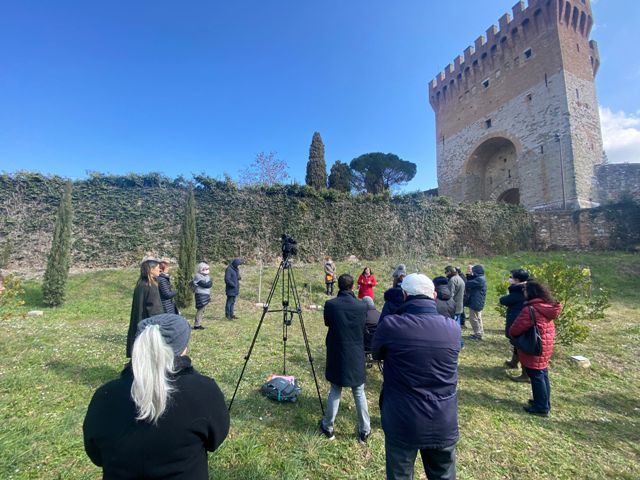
x: 152, y: 364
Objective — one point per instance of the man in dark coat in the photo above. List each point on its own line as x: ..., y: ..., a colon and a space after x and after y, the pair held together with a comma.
x: 476, y: 289
x: 393, y: 297
x: 418, y: 402
x: 514, y: 302
x: 232, y: 287
x: 345, y: 316
x: 167, y: 294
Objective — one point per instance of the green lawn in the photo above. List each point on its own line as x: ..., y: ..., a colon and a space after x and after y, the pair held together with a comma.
x: 52, y: 364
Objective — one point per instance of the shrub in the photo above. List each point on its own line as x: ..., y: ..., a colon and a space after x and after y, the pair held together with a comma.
x: 12, y: 297
x: 59, y: 259
x: 187, y: 253
x: 572, y: 286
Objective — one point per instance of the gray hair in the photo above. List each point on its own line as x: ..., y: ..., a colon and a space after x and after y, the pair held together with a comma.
x: 152, y: 364
x: 369, y: 302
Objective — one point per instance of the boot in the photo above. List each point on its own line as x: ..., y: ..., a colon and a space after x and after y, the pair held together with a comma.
x: 523, y: 378
x: 513, y: 363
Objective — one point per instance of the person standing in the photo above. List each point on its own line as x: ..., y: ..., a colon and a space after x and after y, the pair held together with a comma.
x: 418, y: 402
x: 393, y: 297
x: 345, y: 317
x: 366, y: 282
x: 232, y: 287
x: 514, y: 302
x: 167, y: 294
x: 160, y: 417
x: 543, y: 309
x: 146, y: 298
x: 457, y: 287
x: 329, y: 274
x: 202, y: 290
x: 476, y: 287
x: 445, y: 304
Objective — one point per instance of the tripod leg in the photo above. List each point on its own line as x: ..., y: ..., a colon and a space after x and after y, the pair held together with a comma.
x: 296, y: 301
x: 255, y: 336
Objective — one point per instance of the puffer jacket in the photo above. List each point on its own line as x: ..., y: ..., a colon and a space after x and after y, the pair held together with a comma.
x: 167, y: 294
x: 445, y: 304
x: 476, y: 289
x: 545, y: 314
x: 203, y: 285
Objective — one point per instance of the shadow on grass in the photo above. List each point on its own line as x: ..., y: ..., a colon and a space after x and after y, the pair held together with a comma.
x: 113, y: 338
x: 91, y: 376
x: 473, y: 372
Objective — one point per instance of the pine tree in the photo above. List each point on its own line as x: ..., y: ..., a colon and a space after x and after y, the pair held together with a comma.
x: 340, y: 177
x: 59, y: 259
x: 316, y: 166
x: 187, y: 253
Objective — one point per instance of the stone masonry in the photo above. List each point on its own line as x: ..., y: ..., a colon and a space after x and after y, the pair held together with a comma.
x: 517, y: 116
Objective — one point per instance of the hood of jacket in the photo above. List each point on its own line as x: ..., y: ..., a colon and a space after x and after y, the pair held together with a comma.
x: 443, y: 292
x: 477, y: 270
x: 236, y: 262
x: 550, y: 311
x: 394, y: 295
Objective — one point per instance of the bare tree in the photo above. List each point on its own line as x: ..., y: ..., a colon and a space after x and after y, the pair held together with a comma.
x: 267, y: 169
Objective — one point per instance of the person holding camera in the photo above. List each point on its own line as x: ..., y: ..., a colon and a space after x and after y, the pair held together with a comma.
x: 345, y: 316
x: 514, y: 302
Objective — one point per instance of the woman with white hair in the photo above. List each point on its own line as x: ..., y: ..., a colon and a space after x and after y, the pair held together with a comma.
x: 202, y: 290
x: 161, y: 417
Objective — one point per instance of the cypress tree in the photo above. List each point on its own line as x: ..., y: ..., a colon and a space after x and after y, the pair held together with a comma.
x: 59, y: 259
x: 316, y: 166
x: 340, y: 177
x: 187, y: 253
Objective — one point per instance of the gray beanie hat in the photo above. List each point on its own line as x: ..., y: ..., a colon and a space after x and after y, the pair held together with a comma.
x: 400, y: 271
x: 174, y: 329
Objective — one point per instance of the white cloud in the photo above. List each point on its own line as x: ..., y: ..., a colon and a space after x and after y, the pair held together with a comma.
x: 621, y: 135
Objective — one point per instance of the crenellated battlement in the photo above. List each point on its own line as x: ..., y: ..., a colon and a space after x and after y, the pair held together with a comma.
x: 514, y: 32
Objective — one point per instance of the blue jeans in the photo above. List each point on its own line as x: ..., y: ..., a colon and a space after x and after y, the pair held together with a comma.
x: 228, y: 308
x: 439, y: 464
x: 541, y: 389
x: 333, y: 403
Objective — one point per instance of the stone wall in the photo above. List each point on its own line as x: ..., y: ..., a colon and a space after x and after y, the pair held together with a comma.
x: 618, y: 181
x: 612, y: 227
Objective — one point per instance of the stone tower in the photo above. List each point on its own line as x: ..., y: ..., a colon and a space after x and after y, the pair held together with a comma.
x: 517, y: 117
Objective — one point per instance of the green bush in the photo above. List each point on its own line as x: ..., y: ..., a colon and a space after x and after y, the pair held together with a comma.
x: 12, y: 297
x: 572, y: 286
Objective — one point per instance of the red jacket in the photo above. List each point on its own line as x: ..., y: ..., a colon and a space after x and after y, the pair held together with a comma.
x: 365, y: 286
x: 545, y: 313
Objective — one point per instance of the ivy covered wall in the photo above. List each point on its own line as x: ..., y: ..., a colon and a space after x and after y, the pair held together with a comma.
x: 118, y: 219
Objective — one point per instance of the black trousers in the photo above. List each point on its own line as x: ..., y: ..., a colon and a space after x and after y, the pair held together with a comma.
x: 439, y: 464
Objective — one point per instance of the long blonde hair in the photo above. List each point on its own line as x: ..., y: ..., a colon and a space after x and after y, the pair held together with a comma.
x: 152, y: 364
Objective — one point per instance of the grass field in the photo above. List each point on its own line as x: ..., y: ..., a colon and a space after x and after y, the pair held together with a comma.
x: 52, y: 365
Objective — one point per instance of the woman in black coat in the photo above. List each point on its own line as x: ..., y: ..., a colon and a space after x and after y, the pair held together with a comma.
x: 146, y: 298
x: 514, y: 301
x: 161, y: 417
x: 167, y: 293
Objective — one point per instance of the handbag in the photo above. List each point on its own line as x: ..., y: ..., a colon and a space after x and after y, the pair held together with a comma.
x: 530, y: 342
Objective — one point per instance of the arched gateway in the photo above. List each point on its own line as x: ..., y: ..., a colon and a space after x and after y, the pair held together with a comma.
x: 492, y: 172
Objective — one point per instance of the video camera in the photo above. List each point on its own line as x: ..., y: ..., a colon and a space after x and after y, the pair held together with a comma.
x: 289, y: 246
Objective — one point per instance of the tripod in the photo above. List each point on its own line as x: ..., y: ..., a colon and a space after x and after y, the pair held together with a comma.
x: 290, y: 307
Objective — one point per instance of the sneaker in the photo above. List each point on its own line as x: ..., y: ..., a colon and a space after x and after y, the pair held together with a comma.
x: 475, y: 337
x: 234, y: 317
x: 362, y: 438
x: 524, y: 378
x: 532, y: 411
x: 325, y: 432
x: 198, y: 327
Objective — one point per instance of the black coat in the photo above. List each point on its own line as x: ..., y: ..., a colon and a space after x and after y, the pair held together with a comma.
x: 476, y: 289
x: 419, y: 403
x: 514, y: 302
x: 146, y: 303
x: 195, y: 422
x: 167, y: 295
x: 232, y: 278
x: 345, y: 316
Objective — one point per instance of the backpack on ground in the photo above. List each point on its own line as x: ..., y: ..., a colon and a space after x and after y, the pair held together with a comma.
x: 281, y: 388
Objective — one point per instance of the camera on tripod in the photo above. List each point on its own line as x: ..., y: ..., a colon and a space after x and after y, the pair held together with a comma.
x: 289, y: 246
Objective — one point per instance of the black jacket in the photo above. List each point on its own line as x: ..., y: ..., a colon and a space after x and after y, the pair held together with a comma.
x: 419, y: 403
x: 196, y: 422
x: 514, y: 302
x: 146, y: 303
x: 232, y: 278
x: 166, y: 293
x: 476, y: 289
x: 345, y: 316
x: 393, y: 298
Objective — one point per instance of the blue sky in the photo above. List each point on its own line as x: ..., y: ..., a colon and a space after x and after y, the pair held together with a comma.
x: 203, y: 86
